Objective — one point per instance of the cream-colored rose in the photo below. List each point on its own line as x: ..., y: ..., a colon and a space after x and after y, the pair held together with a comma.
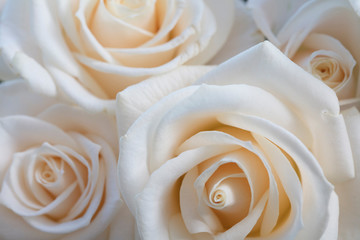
x: 236, y: 155
x: 90, y: 50
x: 57, y: 169
x: 321, y: 36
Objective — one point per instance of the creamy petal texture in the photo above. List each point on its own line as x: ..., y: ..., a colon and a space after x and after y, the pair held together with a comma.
x: 94, y: 49
x: 311, y: 33
x: 348, y: 191
x: 138, y: 98
x: 57, y: 171
x: 236, y: 155
x: 290, y: 85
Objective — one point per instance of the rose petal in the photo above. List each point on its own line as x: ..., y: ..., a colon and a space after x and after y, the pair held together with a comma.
x: 135, y: 141
x: 151, y: 212
x: 224, y: 13
x: 24, y: 133
x: 201, y: 116
x: 126, y: 35
x: 190, y: 208
x: 55, y: 51
x: 177, y: 229
x: 270, y: 16
x: 76, y: 92
x: 66, y: 13
x: 242, y: 229
x: 136, y: 99
x: 38, y: 78
x: 7, y: 222
x: 292, y: 83
x: 112, y: 203
x: 12, y: 32
x: 82, y: 121
x: 173, y: 10
x: 323, y: 17
x: 316, y: 188
x: 292, y: 186
x: 90, y: 43
x: 321, y: 44
x: 331, y: 231
x: 348, y: 191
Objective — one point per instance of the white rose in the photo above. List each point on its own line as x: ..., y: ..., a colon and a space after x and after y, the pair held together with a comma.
x: 90, y: 50
x: 236, y: 155
x: 320, y: 35
x: 57, y: 169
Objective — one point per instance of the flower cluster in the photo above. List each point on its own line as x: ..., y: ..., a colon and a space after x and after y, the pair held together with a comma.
x: 179, y: 119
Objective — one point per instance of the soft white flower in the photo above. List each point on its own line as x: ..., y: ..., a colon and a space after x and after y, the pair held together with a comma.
x: 57, y: 177
x: 320, y: 35
x: 245, y: 152
x: 90, y: 50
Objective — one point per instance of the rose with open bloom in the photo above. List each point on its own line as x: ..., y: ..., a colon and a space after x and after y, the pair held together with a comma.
x: 246, y: 152
x: 90, y: 50
x: 57, y: 177
x: 321, y: 36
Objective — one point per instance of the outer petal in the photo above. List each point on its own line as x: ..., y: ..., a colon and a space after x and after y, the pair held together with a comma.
x: 266, y: 67
x: 75, y: 92
x: 30, y: 70
x: 19, y: 133
x: 23, y: 230
x: 317, y: 190
x: 224, y: 13
x: 133, y: 172
x: 136, y: 99
x: 112, y: 202
x: 15, y: 32
x: 82, y: 121
x: 324, y: 17
x: 349, y: 194
x: 331, y: 231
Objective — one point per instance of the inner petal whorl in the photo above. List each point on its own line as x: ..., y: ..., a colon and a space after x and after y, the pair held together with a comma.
x: 228, y: 193
x: 48, y: 170
x: 327, y: 69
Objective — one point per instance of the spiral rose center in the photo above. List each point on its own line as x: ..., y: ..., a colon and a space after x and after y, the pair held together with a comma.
x: 327, y: 69
x: 53, y: 174
x: 218, y: 198
x: 48, y: 170
x: 328, y: 60
x: 47, y: 175
x: 229, y: 194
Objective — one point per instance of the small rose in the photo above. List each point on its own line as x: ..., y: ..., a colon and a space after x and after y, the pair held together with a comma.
x: 313, y: 35
x: 57, y: 177
x: 236, y: 155
x: 90, y: 50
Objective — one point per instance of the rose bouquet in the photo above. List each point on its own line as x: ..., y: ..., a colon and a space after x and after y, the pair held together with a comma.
x: 179, y: 119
